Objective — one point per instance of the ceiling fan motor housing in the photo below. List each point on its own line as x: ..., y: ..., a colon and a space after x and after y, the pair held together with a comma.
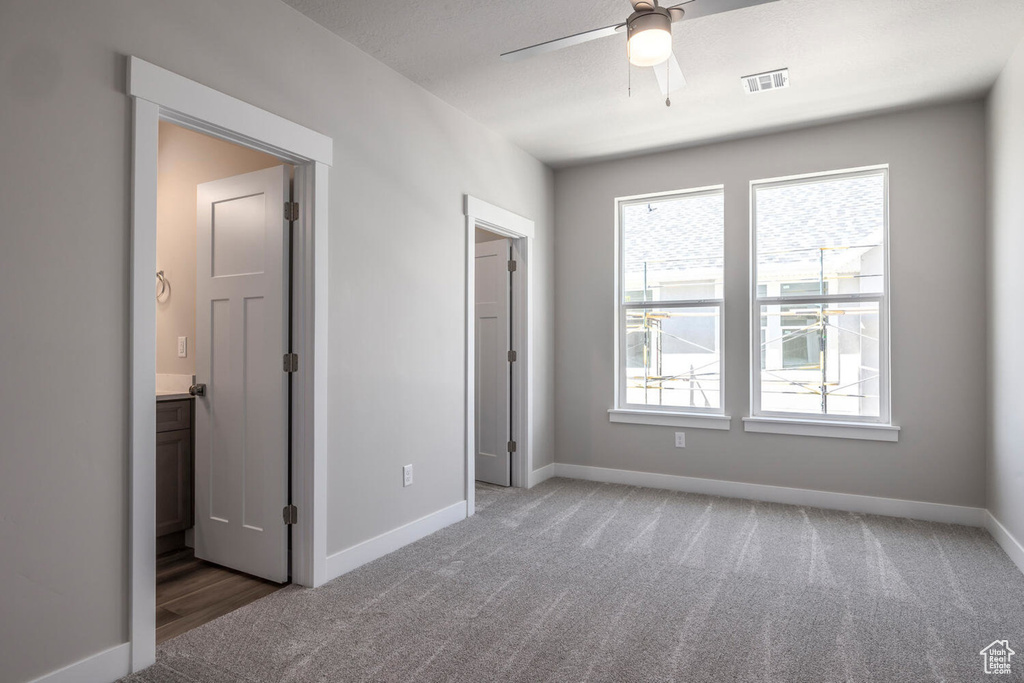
x: 649, y: 36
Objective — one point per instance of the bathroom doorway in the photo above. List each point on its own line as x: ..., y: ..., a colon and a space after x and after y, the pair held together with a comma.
x: 157, y: 95
x: 222, y: 329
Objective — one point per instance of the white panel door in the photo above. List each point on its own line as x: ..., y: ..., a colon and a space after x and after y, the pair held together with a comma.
x: 493, y: 374
x: 241, y: 338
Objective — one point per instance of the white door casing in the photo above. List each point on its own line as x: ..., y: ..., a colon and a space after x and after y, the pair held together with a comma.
x: 241, y: 455
x: 157, y: 94
x: 493, y: 380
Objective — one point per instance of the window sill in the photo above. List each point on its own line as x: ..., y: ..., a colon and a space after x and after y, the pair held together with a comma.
x: 664, y: 419
x: 835, y: 430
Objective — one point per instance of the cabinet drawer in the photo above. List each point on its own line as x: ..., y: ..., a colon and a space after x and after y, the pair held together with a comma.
x: 171, y: 415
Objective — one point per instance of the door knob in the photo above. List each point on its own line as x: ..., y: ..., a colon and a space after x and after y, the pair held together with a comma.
x: 197, y: 390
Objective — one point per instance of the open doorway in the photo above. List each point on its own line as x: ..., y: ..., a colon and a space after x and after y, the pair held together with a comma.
x: 499, y: 359
x: 160, y: 95
x: 223, y: 323
x: 495, y: 355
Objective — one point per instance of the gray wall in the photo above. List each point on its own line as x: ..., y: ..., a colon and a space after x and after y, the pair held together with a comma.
x: 1006, y: 282
x: 937, y: 184
x: 403, y: 160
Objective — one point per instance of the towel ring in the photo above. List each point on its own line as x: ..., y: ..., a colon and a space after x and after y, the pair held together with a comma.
x: 165, y: 286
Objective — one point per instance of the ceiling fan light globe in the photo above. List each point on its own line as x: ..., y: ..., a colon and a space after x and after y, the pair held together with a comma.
x: 650, y: 48
x: 650, y: 39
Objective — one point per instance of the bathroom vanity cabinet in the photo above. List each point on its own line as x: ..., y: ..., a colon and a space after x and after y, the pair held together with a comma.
x: 174, y: 467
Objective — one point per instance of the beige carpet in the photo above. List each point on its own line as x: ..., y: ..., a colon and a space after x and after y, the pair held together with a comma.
x: 576, y: 581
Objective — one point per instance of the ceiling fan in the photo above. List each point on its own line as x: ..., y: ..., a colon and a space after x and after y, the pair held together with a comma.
x: 648, y: 36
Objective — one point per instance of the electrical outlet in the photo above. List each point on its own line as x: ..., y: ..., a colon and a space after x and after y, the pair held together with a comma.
x: 407, y: 475
x: 182, y: 347
x: 680, y: 439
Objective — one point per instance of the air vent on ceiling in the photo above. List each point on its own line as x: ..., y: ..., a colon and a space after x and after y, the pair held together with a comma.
x: 770, y: 80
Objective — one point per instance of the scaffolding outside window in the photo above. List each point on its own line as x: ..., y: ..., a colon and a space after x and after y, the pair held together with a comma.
x: 670, y: 301
x: 820, y: 306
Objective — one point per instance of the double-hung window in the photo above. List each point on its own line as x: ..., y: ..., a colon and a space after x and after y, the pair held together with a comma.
x: 820, y: 297
x: 669, y: 302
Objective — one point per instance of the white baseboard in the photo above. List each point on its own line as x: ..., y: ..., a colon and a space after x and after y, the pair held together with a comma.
x: 892, y: 507
x: 345, y: 561
x: 108, y: 665
x: 1010, y: 545
x: 543, y: 474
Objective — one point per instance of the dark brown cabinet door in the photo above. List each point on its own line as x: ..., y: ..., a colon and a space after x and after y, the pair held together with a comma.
x: 173, y: 481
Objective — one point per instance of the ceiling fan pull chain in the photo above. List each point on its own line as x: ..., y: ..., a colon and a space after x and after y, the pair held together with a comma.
x: 668, y: 84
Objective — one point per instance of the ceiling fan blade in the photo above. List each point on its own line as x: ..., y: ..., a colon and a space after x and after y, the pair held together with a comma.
x: 670, y: 76
x: 559, y: 43
x: 702, y: 8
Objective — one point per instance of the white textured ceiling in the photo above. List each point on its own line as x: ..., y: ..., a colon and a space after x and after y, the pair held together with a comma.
x: 846, y: 57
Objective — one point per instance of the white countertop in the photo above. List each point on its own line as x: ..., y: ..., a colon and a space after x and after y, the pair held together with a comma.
x: 172, y: 387
x: 171, y: 396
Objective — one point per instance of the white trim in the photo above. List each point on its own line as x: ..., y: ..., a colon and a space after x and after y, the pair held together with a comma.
x: 309, y: 384
x: 664, y: 194
x: 520, y: 231
x: 522, y: 368
x: 1010, y: 545
x: 142, y: 422
x: 667, y: 419
x: 346, y: 560
x: 866, y: 431
x: 542, y: 474
x: 108, y: 665
x: 883, y: 299
x: 499, y: 218
x: 157, y: 95
x: 892, y: 507
x: 619, y: 340
x: 186, y: 101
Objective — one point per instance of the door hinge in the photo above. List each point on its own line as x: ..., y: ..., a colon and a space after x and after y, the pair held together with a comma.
x: 291, y: 211
x: 291, y: 514
x: 291, y: 362
x: 511, y: 356
x: 511, y: 446
x: 511, y: 266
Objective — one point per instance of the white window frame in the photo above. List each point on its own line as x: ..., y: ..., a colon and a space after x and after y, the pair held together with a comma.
x: 674, y: 416
x: 815, y: 424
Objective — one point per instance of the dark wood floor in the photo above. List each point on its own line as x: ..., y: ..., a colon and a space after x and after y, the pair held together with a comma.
x: 191, y: 592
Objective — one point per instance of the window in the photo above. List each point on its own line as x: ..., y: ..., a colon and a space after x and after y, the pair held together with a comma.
x: 820, y: 307
x: 670, y: 302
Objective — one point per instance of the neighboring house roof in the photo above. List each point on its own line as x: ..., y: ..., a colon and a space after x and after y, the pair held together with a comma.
x: 675, y: 233
x: 793, y: 222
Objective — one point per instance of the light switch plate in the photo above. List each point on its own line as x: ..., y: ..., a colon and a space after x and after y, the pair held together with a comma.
x: 182, y: 347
